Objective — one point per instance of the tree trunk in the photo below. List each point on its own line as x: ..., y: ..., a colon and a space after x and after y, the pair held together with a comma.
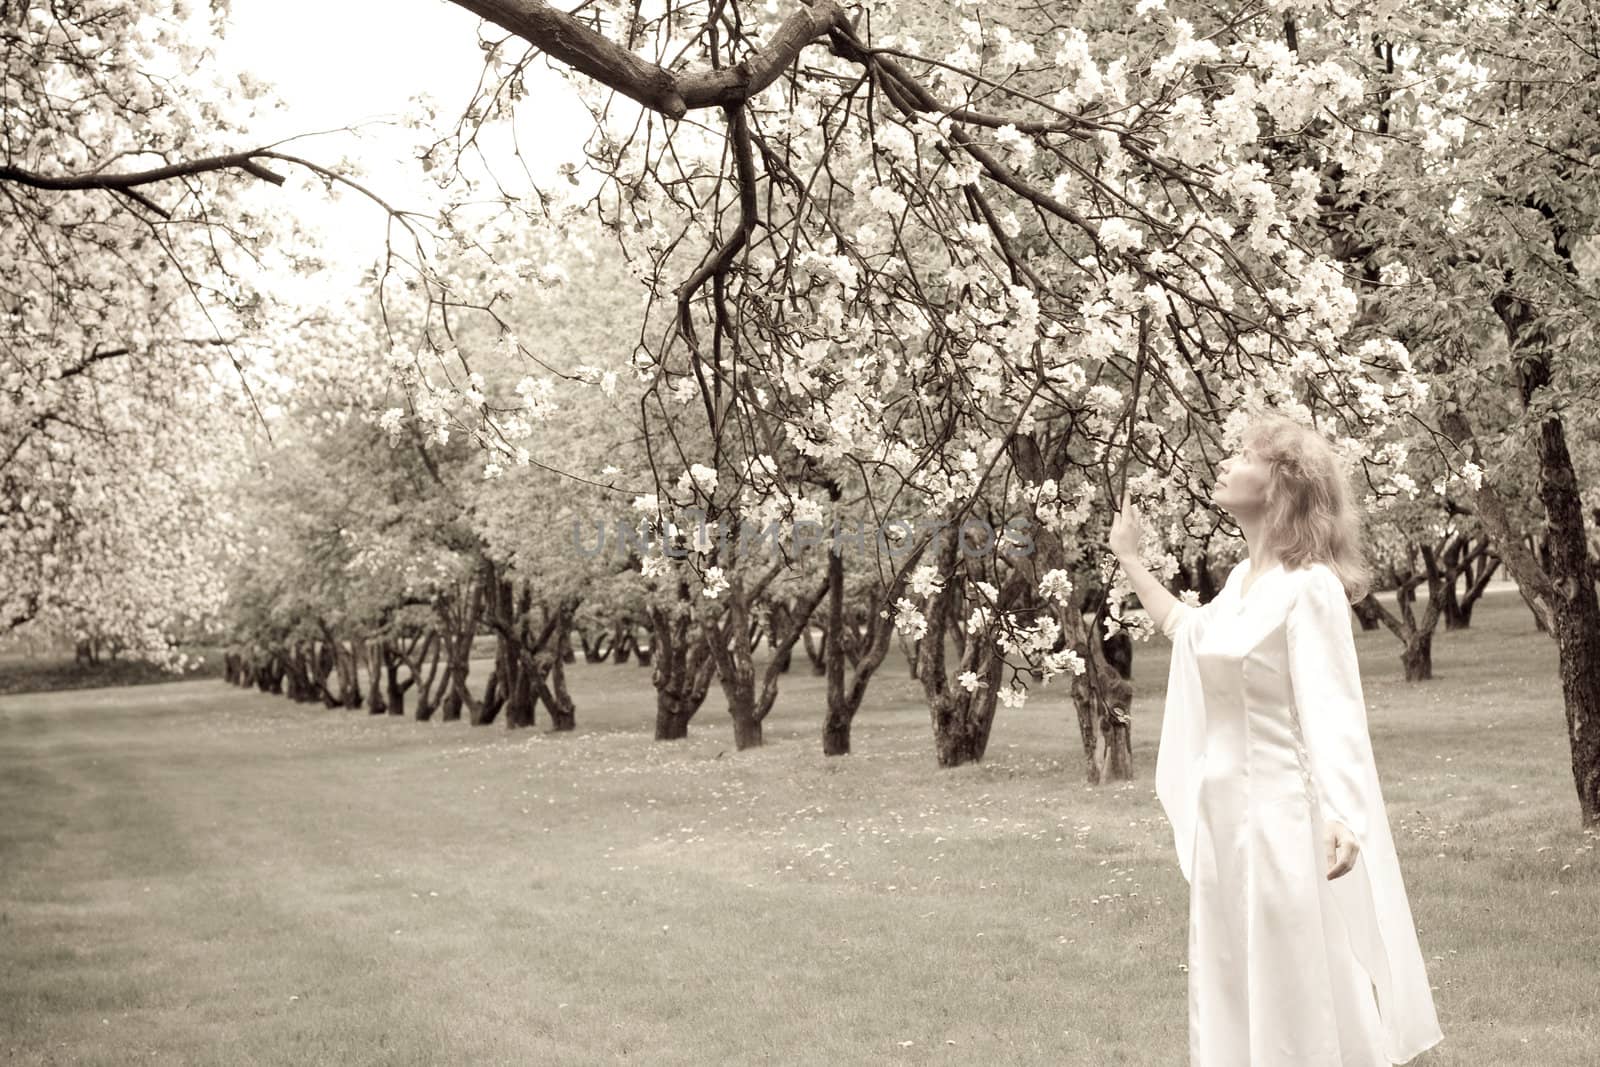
x: 622, y: 643
x: 729, y: 641
x: 1102, y: 696
x: 327, y: 660
x: 1440, y: 567
x: 459, y: 618
x: 1418, y: 657
x: 816, y: 651
x: 425, y: 672
x: 493, y: 698
x: 961, y: 719
x: 1560, y: 590
x: 520, y: 697
x: 346, y: 668
x: 563, y: 712
x: 271, y: 677
x: 549, y: 678
x: 394, y: 689
x: 841, y: 712
x: 597, y: 650
x: 843, y: 701
x: 1479, y: 567
x: 681, y: 670
x: 376, y: 705
x: 732, y: 642
x: 296, y: 680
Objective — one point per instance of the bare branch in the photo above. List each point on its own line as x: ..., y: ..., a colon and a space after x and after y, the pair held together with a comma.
x: 245, y: 161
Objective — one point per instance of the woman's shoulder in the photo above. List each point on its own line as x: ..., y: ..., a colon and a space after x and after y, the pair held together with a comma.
x: 1320, y: 579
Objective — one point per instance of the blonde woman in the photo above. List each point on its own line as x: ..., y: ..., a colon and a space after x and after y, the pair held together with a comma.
x: 1302, y: 950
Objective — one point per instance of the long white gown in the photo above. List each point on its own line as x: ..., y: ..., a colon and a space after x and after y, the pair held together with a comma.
x: 1265, y: 737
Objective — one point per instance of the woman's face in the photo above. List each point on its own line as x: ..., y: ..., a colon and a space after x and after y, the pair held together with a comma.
x: 1242, y: 484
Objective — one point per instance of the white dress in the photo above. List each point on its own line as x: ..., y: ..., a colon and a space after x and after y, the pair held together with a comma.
x: 1265, y: 736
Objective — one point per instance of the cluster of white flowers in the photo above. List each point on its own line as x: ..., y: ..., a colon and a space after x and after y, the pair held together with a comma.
x: 1234, y: 116
x: 1119, y: 235
x: 1014, y: 51
x: 1018, y: 146
x: 716, y: 583
x: 698, y: 476
x: 829, y: 268
x: 886, y: 200
x: 1187, y: 50
x: 1105, y: 398
x: 685, y: 390
x: 909, y: 620
x: 391, y: 421
x: 933, y: 126
x: 1057, y: 585
x: 1092, y: 83
x: 401, y: 360
x: 925, y: 581
x: 961, y: 169
x: 1470, y: 473
x: 1304, y: 185
x: 536, y: 394
x: 1012, y: 695
x: 898, y: 142
x: 589, y: 374
x: 705, y: 537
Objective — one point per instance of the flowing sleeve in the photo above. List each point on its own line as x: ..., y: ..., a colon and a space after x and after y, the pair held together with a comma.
x: 1332, y: 712
x: 1180, y: 759
x: 1370, y: 899
x: 1183, y: 616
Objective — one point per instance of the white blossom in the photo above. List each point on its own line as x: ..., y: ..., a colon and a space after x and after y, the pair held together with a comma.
x: 1056, y: 585
x: 925, y: 581
x: 909, y: 620
x: 716, y: 583
x: 1013, y: 695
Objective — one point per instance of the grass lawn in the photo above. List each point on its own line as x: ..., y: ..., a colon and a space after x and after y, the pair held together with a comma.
x: 191, y: 873
x: 19, y: 674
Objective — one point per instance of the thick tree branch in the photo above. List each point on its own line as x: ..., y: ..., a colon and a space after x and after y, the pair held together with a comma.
x: 717, y: 264
x: 245, y: 161
x: 567, y: 39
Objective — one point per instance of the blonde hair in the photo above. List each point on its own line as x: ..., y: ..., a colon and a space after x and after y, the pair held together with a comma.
x: 1311, y: 514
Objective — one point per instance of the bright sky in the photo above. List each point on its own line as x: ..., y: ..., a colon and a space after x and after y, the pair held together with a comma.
x: 342, y: 63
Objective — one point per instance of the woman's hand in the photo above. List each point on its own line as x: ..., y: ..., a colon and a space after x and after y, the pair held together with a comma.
x: 1126, y: 531
x: 1342, y: 848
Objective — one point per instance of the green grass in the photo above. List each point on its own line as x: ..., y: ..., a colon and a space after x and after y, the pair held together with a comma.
x: 192, y: 873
